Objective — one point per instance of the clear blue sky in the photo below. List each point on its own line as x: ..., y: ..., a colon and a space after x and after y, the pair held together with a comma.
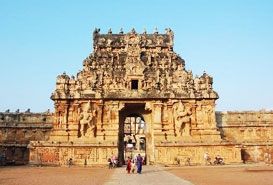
x: 231, y: 40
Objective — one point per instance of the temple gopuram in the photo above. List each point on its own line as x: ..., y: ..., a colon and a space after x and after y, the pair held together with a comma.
x: 135, y: 96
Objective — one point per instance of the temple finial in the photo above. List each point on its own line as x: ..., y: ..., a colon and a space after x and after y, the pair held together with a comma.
x: 133, y: 31
x: 121, y: 31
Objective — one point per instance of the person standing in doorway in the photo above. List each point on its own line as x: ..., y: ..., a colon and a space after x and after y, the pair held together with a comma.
x: 139, y: 164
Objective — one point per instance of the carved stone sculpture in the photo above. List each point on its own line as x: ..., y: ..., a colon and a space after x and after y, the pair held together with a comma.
x: 182, y: 118
x: 87, y: 119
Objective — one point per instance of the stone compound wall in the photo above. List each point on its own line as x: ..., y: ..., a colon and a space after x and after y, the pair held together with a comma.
x: 252, y: 130
x: 17, y: 130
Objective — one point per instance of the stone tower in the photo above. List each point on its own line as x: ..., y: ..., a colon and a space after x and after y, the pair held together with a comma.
x: 132, y: 96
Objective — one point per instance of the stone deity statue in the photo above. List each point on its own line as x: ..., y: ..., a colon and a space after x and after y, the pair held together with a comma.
x: 182, y: 119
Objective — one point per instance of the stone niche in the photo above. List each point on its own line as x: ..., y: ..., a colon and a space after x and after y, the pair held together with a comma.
x: 132, y: 96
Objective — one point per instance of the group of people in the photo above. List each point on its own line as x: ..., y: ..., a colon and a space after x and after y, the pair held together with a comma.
x: 112, y: 162
x: 218, y: 160
x: 133, y: 163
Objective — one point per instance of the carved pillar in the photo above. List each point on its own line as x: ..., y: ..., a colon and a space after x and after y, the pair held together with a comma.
x: 66, y: 115
x: 157, y: 117
x: 119, y: 123
x: 165, y: 118
x: 99, y: 117
x: 114, y: 116
x: 199, y: 115
x: 155, y: 130
x: 73, y: 120
x: 170, y: 116
x: 193, y: 126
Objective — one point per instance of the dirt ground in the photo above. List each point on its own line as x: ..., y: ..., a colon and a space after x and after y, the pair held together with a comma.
x: 226, y: 175
x: 24, y: 175
x: 214, y: 175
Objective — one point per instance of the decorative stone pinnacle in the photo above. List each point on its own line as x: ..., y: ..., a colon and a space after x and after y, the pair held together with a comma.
x: 121, y: 31
x: 133, y: 31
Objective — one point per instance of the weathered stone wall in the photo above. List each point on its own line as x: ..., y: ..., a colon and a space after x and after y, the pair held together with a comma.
x: 17, y: 130
x: 252, y: 130
x: 59, y: 153
x: 171, y: 153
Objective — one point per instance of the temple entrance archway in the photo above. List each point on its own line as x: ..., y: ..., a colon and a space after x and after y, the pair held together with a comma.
x: 132, y: 131
x: 134, y: 136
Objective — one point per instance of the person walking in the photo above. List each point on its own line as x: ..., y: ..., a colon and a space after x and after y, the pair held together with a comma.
x: 128, y: 168
x: 133, y: 166
x: 110, y: 165
x: 139, y: 164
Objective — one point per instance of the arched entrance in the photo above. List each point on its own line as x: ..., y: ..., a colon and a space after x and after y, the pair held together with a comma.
x: 132, y: 131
